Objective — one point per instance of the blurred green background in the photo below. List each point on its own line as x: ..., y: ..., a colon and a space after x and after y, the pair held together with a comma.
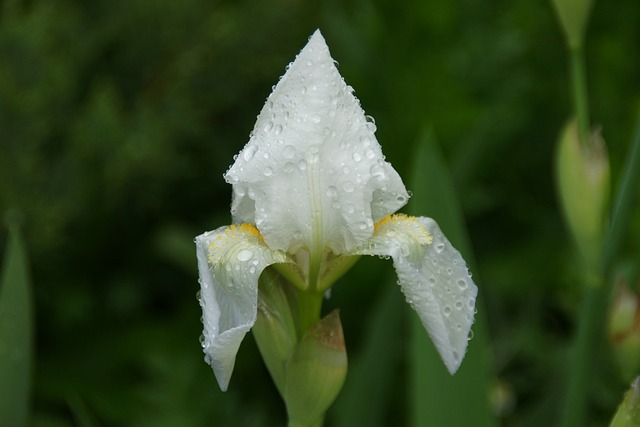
x: 118, y: 119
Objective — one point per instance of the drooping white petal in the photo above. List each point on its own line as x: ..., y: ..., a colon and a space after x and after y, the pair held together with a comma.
x: 313, y: 169
x: 230, y: 260
x: 434, y: 279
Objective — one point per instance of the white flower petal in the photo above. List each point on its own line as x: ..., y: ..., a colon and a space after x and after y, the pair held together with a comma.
x: 230, y: 261
x: 313, y: 169
x: 434, y: 279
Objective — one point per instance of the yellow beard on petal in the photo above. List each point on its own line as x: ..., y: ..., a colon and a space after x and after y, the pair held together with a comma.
x: 220, y: 245
x: 410, y: 225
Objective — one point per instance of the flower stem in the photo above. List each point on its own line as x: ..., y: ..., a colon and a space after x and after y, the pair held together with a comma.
x: 596, y: 298
x: 297, y: 424
x: 580, y: 98
x: 309, y: 310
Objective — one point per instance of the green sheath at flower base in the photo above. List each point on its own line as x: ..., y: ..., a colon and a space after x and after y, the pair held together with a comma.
x: 573, y: 16
x: 624, y: 330
x: 628, y: 414
x: 274, y: 330
x: 316, y: 372
x: 583, y: 185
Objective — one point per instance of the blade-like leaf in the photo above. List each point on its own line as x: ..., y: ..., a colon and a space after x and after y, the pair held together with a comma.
x: 16, y: 343
x: 437, y: 398
x: 369, y: 386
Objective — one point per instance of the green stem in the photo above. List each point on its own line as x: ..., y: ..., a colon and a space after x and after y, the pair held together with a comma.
x: 590, y: 327
x: 596, y: 298
x: 580, y: 98
x: 297, y: 424
x: 624, y: 197
x: 309, y: 310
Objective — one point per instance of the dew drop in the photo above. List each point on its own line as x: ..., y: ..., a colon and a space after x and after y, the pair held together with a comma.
x: 370, y: 154
x: 462, y: 284
x: 351, y: 209
x: 302, y: 165
x: 472, y: 303
x: 244, y: 255
x: 357, y: 157
x: 252, y: 269
x: 268, y: 126
x: 249, y: 152
x: 446, y: 310
x: 439, y: 247
x: 268, y: 171
x: 348, y: 187
x: 470, y: 335
x: 289, y: 167
x: 456, y: 356
x: 289, y: 152
x: 377, y: 171
x: 332, y: 191
x: 459, y: 305
x: 277, y: 129
x: 303, y: 90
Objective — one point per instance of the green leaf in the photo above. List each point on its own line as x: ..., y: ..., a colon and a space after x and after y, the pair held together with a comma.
x: 16, y: 343
x: 437, y: 398
x: 370, y: 382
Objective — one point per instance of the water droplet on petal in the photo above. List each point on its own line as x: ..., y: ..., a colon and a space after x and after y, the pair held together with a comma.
x: 370, y: 154
x: 470, y: 336
x: 249, y: 152
x: 440, y: 247
x: 277, y: 129
x: 446, y: 310
x: 462, y: 284
x: 357, y: 157
x: 348, y: 187
x: 289, y: 152
x: 459, y: 305
x: 332, y: 191
x: 302, y: 164
x: 377, y: 171
x: 268, y: 171
x: 268, y: 126
x: 289, y: 167
x: 244, y: 255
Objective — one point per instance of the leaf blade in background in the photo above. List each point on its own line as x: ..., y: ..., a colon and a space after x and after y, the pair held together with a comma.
x: 438, y: 398
x: 369, y: 385
x: 16, y: 324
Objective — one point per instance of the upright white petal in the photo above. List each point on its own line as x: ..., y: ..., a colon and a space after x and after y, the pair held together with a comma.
x: 313, y: 169
x: 434, y: 279
x: 230, y: 261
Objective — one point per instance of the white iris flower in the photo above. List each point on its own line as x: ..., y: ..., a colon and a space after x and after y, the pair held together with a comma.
x: 311, y: 193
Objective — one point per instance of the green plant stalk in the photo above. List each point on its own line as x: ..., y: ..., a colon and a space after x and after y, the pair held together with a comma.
x: 309, y: 310
x: 623, y: 199
x: 295, y: 424
x: 596, y: 297
x: 580, y: 98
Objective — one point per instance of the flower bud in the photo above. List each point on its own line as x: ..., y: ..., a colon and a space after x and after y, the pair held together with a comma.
x: 274, y: 330
x: 628, y: 414
x: 316, y: 372
x: 583, y: 185
x: 573, y: 15
x: 624, y: 330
